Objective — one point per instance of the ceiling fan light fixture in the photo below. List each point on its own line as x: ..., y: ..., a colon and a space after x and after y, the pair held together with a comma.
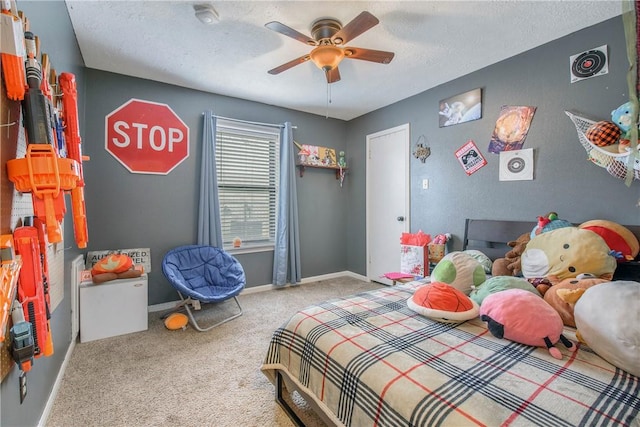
x: 327, y: 57
x: 206, y: 13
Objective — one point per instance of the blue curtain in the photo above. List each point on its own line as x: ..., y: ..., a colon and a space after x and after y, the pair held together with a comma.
x: 209, y: 228
x: 286, y: 258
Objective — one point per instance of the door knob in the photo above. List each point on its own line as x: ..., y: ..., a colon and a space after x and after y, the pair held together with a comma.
x: 400, y: 218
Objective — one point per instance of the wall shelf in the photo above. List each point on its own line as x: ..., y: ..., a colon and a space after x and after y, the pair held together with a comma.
x: 302, y: 167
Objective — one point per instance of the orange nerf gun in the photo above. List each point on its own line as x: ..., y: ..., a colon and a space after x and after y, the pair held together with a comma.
x: 67, y: 83
x: 12, y: 51
x: 31, y: 288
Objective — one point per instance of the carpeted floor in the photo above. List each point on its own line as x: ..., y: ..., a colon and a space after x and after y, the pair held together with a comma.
x: 189, y: 378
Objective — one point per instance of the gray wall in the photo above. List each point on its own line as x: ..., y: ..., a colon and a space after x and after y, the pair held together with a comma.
x: 50, y: 22
x: 564, y: 181
x: 126, y: 210
x: 132, y: 210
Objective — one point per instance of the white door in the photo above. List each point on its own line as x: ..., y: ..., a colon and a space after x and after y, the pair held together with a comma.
x: 387, y: 199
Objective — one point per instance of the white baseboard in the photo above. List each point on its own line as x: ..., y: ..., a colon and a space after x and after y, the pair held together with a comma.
x: 57, y: 383
x: 262, y: 288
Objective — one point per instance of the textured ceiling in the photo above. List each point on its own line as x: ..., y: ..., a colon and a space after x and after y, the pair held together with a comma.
x: 434, y: 42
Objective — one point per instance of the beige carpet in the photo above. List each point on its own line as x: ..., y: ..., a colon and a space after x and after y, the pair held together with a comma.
x: 189, y: 378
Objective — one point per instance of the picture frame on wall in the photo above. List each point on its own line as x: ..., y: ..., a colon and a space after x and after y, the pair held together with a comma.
x: 461, y: 108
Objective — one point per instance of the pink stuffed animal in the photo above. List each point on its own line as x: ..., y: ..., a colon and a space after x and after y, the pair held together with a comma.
x: 526, y: 318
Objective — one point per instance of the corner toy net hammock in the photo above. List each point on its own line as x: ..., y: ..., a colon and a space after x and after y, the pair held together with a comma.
x: 609, y: 157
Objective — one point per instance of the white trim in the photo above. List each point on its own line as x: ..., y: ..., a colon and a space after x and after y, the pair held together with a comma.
x: 56, y: 385
x: 407, y: 196
x: 269, y: 287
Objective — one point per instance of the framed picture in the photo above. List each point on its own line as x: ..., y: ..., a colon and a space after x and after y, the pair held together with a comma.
x: 461, y: 108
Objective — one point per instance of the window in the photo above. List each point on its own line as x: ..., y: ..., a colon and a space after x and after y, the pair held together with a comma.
x: 247, y: 171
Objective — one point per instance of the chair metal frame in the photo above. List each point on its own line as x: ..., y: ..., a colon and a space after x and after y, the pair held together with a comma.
x: 197, y: 306
x: 189, y: 303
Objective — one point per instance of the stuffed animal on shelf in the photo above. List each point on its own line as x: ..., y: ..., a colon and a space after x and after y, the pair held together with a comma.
x: 604, y: 316
x: 558, y: 295
x: 510, y: 264
x: 524, y: 317
x: 565, y: 253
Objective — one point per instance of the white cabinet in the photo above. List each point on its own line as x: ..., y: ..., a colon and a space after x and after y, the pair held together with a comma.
x: 113, y: 308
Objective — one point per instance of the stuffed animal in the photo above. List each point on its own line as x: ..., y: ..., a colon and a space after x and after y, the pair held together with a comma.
x: 443, y: 303
x: 483, y: 259
x: 565, y: 253
x: 603, y: 133
x: 604, y: 316
x: 510, y: 264
x: 114, y: 266
x: 623, y: 118
x: 460, y: 270
x: 524, y: 317
x: 498, y: 284
x: 619, y: 238
x: 558, y: 295
x: 547, y: 223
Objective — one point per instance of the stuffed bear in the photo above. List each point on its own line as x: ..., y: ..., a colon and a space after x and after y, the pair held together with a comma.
x: 510, y: 264
x: 623, y: 117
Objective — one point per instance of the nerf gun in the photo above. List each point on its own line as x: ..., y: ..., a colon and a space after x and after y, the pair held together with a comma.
x: 22, y: 345
x: 9, y: 273
x: 12, y: 48
x: 67, y: 82
x: 42, y: 172
x: 44, y: 263
x: 31, y: 287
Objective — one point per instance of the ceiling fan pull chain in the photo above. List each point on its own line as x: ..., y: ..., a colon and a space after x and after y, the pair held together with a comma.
x: 326, y: 116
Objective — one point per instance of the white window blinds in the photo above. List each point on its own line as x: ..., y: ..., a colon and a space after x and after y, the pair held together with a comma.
x: 247, y: 171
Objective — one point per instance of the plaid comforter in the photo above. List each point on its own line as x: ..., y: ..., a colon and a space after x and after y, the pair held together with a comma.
x: 367, y: 360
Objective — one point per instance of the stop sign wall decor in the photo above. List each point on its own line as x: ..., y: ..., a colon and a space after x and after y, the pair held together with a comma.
x: 146, y: 137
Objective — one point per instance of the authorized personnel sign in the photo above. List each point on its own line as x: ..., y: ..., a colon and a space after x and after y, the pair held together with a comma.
x: 140, y: 256
x: 146, y: 137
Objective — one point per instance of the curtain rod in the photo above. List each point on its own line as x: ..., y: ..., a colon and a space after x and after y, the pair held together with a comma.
x: 249, y: 122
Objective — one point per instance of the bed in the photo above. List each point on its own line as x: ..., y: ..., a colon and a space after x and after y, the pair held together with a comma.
x: 367, y: 360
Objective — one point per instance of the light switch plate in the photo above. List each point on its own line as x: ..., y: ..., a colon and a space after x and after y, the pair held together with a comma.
x: 425, y: 184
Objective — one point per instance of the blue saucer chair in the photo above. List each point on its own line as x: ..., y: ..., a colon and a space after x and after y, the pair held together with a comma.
x: 201, y: 275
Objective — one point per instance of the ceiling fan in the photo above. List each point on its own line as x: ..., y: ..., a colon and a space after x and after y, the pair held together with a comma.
x: 329, y: 36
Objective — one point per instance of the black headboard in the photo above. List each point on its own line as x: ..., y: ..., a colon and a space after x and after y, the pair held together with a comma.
x: 491, y: 236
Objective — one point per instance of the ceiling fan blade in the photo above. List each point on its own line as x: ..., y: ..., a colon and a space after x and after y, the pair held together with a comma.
x: 379, y: 56
x: 290, y: 64
x: 333, y: 75
x: 290, y: 32
x: 353, y: 29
